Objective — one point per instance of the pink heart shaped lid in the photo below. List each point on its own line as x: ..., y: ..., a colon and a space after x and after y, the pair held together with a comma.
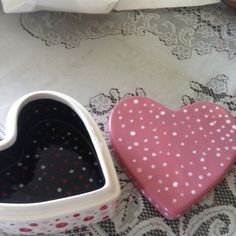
x: 174, y: 157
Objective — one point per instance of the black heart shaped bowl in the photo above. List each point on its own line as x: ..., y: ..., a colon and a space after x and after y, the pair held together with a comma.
x: 56, y: 172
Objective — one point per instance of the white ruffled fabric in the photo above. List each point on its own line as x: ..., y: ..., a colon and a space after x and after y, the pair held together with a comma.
x: 95, y: 6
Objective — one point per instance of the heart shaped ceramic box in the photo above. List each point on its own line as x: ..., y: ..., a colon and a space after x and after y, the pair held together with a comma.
x: 174, y: 157
x: 56, y: 170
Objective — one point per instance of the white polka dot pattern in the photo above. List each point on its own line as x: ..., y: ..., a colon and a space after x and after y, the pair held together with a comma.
x: 176, y: 157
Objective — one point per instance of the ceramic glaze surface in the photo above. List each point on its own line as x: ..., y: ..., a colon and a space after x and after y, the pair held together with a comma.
x: 52, y: 158
x: 174, y: 157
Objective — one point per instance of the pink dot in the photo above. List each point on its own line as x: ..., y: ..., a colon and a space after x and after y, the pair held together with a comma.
x: 33, y: 224
x: 88, y: 218
x: 76, y: 215
x: 61, y: 225
x: 25, y: 230
x: 104, y: 207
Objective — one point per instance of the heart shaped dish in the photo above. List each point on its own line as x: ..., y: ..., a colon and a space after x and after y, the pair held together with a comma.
x: 174, y: 157
x: 56, y: 172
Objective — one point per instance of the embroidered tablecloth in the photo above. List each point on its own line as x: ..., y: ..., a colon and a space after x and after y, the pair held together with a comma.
x: 175, y: 56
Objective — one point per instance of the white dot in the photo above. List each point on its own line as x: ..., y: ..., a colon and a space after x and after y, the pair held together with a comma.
x: 176, y: 172
x: 139, y: 170
x: 198, y: 120
x: 196, y: 109
x: 228, y: 121
x: 154, y: 130
x: 21, y: 185
x: 182, y: 166
x: 222, y: 164
x: 120, y: 117
x: 233, y: 126
x: 200, y: 177
x: 167, y: 175
x: 119, y: 139
x: 174, y: 200
x: 145, y: 140
x: 134, y: 160
x: 199, y: 185
x: 59, y: 190
x: 123, y: 125
x: 178, y: 155
x: 153, y: 166
x: 186, y: 184
x: 209, y: 174
x: 154, y: 154
x: 83, y: 169
x: 145, y: 158
x: 190, y: 174
x: 136, y: 101
x: 182, y: 144
x: 157, y: 116
x: 125, y: 104
x: 60, y: 148
x: 162, y: 113
x: 174, y: 134
x: 164, y: 164
x: 71, y: 171
x: 193, y: 192
x: 203, y: 107
x: 129, y: 147
x: 43, y: 167
x: 146, y: 149
x: 204, y: 167
x: 218, y: 154
x: 150, y: 177
x: 130, y: 111
x: 166, y: 189
x: 136, y: 144
x: 132, y: 133
x: 90, y: 180
x: 181, y: 194
x: 19, y: 164
x: 202, y: 159
x: 151, y: 111
x: 39, y: 178
x: 175, y: 184
x: 185, y: 110
x: 194, y: 151
x: 160, y: 181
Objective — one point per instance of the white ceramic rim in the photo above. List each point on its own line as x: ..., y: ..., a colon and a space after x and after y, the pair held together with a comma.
x: 68, y: 205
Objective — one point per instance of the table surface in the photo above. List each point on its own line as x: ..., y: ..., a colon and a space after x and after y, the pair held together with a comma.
x: 174, y: 56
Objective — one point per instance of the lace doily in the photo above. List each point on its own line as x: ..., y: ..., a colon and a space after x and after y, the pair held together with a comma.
x: 200, y: 30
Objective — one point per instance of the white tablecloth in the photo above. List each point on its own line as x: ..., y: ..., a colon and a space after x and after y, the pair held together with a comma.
x: 175, y: 56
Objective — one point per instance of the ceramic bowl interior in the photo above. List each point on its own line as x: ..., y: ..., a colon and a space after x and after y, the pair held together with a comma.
x: 53, y: 156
